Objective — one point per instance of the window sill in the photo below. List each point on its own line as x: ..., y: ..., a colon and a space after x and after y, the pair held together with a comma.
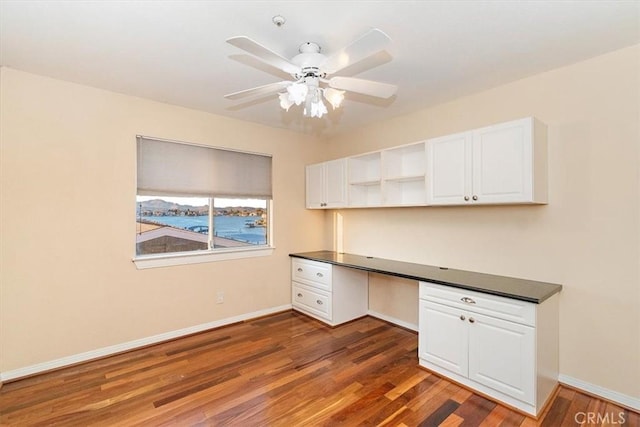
x: 166, y: 260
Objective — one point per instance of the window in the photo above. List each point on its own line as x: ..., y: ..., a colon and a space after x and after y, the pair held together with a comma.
x: 198, y: 200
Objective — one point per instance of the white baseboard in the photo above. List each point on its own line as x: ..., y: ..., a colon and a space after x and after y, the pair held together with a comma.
x: 393, y: 320
x: 119, y: 348
x: 613, y: 396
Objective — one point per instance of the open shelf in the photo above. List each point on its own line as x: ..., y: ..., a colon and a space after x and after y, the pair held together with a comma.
x: 405, y: 178
x: 366, y: 183
x: 365, y: 195
x: 405, y: 192
x: 406, y: 161
x: 364, y: 169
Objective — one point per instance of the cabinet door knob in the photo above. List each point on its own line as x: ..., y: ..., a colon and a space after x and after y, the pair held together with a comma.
x: 299, y: 269
x: 472, y: 320
x: 319, y: 302
x: 466, y: 198
x: 462, y: 317
x: 299, y: 295
x: 475, y: 197
x: 467, y: 300
x: 319, y: 275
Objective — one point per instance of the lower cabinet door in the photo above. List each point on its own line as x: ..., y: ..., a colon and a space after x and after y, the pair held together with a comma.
x: 443, y: 337
x: 501, y: 356
x: 315, y: 302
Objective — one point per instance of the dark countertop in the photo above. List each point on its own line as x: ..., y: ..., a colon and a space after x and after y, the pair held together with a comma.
x: 520, y: 289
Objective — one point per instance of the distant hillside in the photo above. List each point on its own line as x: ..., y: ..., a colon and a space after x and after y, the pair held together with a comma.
x: 158, y: 207
x: 162, y: 205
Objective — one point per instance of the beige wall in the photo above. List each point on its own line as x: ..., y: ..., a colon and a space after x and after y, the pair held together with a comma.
x: 67, y: 222
x: 588, y: 236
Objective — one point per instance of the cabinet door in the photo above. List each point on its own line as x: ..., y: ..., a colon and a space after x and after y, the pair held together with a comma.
x: 449, y: 169
x: 335, y: 184
x: 443, y: 337
x: 502, y: 163
x: 315, y: 185
x: 501, y: 356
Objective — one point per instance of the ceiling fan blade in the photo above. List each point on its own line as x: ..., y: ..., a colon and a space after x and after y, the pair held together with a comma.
x: 260, y: 90
x: 267, y: 55
x: 366, y: 87
x: 369, y: 43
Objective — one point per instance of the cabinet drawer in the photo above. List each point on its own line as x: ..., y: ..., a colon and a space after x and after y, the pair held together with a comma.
x: 311, y: 273
x: 491, y: 305
x: 313, y: 301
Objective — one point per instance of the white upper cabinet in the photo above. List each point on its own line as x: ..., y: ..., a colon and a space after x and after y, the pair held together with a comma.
x: 500, y: 164
x: 326, y: 185
x: 449, y: 166
x: 504, y: 163
x: 315, y: 185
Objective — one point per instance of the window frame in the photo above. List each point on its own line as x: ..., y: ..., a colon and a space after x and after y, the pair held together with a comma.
x: 210, y: 254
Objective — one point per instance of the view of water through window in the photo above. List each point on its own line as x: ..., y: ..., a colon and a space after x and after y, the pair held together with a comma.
x: 181, y: 224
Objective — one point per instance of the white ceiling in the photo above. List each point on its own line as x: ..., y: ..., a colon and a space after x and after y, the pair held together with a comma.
x: 175, y: 51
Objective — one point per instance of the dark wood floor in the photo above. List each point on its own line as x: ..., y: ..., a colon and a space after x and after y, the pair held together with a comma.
x: 283, y: 370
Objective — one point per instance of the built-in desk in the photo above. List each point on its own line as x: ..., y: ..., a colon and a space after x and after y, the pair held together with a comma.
x: 497, y: 335
x: 510, y: 287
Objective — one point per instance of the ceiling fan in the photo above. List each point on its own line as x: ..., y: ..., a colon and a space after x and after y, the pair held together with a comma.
x: 310, y: 71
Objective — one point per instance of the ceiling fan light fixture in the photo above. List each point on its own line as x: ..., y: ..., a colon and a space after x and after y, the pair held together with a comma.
x: 298, y: 92
x: 315, y: 108
x: 334, y: 96
x: 285, y: 102
x: 309, y: 94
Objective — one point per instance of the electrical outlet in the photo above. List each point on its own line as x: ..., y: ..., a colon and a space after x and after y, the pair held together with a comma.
x: 220, y: 297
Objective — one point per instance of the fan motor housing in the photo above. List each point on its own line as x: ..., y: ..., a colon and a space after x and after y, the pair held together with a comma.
x: 310, y: 60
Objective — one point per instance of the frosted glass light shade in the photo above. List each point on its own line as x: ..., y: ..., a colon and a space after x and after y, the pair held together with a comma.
x: 297, y: 92
x: 285, y: 102
x: 311, y: 96
x: 334, y: 96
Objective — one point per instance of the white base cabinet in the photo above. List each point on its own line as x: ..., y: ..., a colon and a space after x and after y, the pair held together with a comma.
x: 504, y: 348
x: 329, y: 293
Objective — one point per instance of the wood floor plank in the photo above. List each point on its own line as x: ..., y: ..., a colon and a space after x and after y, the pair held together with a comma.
x: 452, y: 421
x: 401, y: 388
x: 503, y: 417
x: 438, y: 416
x: 281, y: 370
x: 474, y: 410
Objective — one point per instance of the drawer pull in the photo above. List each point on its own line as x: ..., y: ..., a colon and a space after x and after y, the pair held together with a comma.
x: 299, y: 295
x: 467, y: 300
x: 472, y: 320
x: 299, y: 269
x: 319, y: 302
x: 462, y: 317
x: 319, y: 274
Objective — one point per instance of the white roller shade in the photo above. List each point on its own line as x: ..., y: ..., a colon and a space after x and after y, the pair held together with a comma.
x: 173, y: 168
